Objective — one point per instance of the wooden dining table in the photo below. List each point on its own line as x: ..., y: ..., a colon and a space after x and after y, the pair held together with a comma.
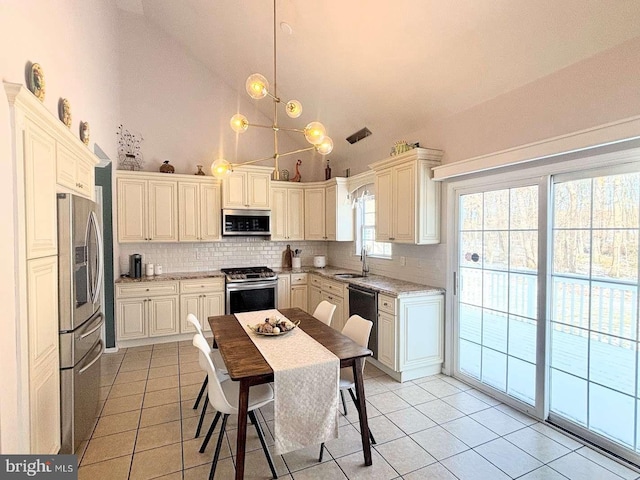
x: 245, y: 364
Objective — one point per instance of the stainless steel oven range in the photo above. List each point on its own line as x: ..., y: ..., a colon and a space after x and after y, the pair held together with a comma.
x: 250, y: 288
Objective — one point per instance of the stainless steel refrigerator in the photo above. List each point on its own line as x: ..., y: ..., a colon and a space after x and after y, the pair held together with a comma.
x: 80, y: 278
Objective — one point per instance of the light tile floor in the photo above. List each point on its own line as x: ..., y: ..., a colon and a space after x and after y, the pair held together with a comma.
x: 431, y: 428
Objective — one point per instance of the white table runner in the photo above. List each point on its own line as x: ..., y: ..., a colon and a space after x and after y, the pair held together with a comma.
x: 306, y: 385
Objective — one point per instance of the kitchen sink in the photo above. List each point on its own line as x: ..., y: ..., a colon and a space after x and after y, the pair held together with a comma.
x: 347, y: 275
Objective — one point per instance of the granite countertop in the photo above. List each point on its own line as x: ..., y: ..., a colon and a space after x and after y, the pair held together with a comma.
x: 381, y: 284
x: 173, y: 276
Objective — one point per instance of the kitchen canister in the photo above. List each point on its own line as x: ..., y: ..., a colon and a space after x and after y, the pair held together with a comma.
x: 319, y: 261
x: 296, y: 262
x: 157, y: 270
x: 149, y: 270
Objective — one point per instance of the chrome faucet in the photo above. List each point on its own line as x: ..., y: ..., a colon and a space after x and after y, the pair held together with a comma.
x: 365, y: 266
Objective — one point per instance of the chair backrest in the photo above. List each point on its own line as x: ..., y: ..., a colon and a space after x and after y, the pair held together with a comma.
x: 216, y: 394
x: 358, y: 329
x: 324, y: 312
x: 191, y: 318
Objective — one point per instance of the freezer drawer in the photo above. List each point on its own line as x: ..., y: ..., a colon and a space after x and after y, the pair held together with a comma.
x: 75, y: 345
x: 79, y: 399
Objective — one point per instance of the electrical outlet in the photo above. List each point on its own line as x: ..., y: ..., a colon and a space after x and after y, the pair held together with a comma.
x: 403, y: 261
x: 198, y: 255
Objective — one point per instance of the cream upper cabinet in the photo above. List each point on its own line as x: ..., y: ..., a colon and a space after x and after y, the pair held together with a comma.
x: 338, y: 211
x: 75, y: 172
x: 287, y: 212
x: 247, y: 187
x: 147, y: 208
x: 407, y: 198
x: 40, y: 191
x: 198, y: 211
x: 163, y: 211
x: 328, y: 215
x: 314, y: 216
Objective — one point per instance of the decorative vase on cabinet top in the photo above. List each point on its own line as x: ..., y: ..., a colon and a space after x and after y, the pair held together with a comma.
x: 166, y: 167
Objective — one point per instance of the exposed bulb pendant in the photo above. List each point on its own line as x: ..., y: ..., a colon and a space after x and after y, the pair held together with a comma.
x: 257, y: 87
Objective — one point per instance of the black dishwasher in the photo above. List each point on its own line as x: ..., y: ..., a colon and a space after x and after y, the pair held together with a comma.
x: 364, y: 302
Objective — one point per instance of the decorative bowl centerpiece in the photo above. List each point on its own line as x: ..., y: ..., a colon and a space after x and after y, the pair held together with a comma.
x: 273, y: 326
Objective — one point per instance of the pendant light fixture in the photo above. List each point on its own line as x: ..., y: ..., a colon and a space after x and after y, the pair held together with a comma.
x: 257, y: 87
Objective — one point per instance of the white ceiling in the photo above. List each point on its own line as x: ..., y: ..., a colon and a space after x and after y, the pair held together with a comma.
x: 391, y: 65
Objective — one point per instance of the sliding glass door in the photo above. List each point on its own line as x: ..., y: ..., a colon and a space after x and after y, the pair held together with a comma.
x: 546, y: 312
x: 498, y: 285
x: 594, y: 306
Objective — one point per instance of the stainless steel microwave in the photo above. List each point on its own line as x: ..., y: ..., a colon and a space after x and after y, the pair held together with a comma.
x: 246, y: 222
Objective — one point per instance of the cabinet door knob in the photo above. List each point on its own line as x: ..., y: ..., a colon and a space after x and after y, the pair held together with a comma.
x: 147, y: 289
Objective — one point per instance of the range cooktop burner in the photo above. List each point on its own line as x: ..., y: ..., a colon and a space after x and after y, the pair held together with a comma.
x: 249, y: 274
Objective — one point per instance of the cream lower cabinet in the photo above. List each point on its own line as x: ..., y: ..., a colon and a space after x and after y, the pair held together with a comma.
x: 147, y: 208
x: 411, y: 335
x: 299, y: 290
x: 147, y: 309
x: 203, y: 298
x: 336, y: 293
x: 284, y: 290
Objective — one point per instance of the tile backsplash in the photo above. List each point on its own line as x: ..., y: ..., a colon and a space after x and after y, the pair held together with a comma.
x: 229, y: 252
x: 423, y: 263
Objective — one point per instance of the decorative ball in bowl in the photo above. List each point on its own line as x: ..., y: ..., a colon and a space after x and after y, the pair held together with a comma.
x: 274, y: 325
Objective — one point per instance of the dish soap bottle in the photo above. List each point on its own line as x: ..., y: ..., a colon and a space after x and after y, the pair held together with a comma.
x: 288, y: 255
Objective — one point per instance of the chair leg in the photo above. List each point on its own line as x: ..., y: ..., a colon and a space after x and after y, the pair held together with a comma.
x: 321, y: 452
x: 344, y: 404
x: 202, y: 388
x: 214, y: 464
x: 256, y: 423
x: 203, y: 447
x: 355, y: 401
x: 204, y: 411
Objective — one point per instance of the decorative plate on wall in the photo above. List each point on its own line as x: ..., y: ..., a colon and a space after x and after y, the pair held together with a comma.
x: 64, y: 111
x: 84, y: 132
x: 36, y: 81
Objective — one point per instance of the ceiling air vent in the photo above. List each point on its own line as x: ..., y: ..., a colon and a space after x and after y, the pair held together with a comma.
x: 359, y: 135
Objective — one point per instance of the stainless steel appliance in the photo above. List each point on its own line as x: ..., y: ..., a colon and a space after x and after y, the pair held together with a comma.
x: 80, y: 278
x: 135, y: 265
x: 251, y: 288
x: 364, y: 302
x: 246, y: 222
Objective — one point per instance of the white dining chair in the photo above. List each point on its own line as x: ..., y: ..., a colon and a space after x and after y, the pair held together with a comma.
x: 357, y: 329
x: 324, y: 312
x: 221, y: 370
x: 223, y: 396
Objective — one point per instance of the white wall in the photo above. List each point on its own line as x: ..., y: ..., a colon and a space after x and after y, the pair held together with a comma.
x: 182, y: 108
x: 75, y: 44
x: 592, y: 92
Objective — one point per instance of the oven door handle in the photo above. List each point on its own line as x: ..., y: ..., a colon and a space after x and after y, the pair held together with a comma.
x: 234, y: 287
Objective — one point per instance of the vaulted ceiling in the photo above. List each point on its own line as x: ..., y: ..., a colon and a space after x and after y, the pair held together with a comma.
x: 391, y: 64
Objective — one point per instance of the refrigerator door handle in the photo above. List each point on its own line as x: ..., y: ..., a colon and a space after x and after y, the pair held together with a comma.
x: 97, y: 357
x: 93, y: 221
x: 98, y: 326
